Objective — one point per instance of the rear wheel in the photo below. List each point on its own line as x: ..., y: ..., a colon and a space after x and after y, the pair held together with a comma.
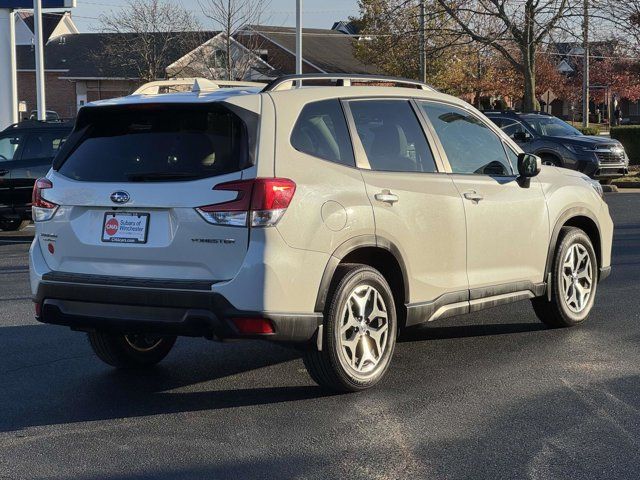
x: 130, y: 351
x: 573, y: 283
x: 359, y: 332
x: 606, y: 181
x: 13, y: 225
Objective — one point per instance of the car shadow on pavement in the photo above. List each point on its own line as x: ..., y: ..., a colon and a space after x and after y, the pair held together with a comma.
x: 430, y: 332
x: 65, y: 383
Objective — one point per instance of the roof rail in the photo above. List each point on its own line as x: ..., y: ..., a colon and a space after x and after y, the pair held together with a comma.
x: 288, y: 82
x: 38, y: 123
x: 193, y: 84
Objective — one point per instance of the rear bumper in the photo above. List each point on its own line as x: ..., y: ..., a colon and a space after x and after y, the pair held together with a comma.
x: 86, y: 302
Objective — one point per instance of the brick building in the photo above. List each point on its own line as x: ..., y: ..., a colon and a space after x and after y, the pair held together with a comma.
x: 80, y: 69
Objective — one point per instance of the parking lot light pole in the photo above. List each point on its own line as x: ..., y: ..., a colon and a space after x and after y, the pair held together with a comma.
x: 298, y: 37
x: 585, y: 72
x: 37, y: 24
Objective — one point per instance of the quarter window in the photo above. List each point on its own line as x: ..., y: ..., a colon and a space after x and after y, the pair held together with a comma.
x: 391, y: 135
x: 321, y: 131
x: 470, y: 145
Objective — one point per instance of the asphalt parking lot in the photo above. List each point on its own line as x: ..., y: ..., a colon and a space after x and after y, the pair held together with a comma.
x: 491, y: 395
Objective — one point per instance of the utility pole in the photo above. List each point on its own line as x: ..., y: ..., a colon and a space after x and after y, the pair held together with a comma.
x: 585, y: 73
x: 423, y: 43
x: 298, y: 37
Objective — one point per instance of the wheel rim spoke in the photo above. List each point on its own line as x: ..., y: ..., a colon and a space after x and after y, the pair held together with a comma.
x: 364, y: 329
x: 577, y: 277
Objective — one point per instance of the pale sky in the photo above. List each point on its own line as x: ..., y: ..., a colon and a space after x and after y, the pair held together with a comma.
x: 317, y: 13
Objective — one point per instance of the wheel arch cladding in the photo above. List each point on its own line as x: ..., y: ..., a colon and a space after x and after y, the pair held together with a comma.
x: 580, y: 218
x: 381, y: 255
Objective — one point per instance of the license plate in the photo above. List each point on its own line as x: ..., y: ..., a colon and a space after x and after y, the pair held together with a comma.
x: 124, y: 227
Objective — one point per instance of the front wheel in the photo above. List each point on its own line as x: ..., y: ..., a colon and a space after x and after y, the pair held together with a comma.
x: 130, y: 351
x: 574, y: 279
x: 550, y: 160
x: 359, y: 333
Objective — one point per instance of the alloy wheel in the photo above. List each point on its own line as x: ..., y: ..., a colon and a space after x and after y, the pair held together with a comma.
x: 577, y: 278
x: 364, y: 330
x: 143, y: 342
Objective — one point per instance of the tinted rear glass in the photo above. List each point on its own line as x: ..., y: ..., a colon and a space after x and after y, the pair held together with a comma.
x: 157, y: 143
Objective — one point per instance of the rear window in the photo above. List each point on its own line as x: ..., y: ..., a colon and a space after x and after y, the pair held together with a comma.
x: 156, y: 143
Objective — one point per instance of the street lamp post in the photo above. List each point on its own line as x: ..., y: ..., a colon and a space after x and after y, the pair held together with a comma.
x: 298, y: 37
x: 37, y: 24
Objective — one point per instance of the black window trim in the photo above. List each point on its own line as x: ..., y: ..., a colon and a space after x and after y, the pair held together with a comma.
x: 346, y: 118
x: 362, y: 162
x: 492, y: 126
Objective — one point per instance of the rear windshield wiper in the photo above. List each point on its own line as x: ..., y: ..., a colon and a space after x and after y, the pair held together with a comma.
x: 158, y: 176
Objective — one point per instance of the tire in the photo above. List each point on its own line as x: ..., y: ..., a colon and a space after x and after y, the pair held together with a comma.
x: 606, y: 181
x: 566, y: 308
x: 130, y: 351
x: 550, y: 160
x: 358, y: 357
x: 13, y: 225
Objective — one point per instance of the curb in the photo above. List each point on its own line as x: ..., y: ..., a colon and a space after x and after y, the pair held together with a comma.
x: 609, y: 188
x: 624, y: 185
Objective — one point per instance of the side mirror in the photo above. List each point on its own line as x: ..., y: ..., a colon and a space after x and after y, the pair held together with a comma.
x: 529, y: 165
x: 522, y: 137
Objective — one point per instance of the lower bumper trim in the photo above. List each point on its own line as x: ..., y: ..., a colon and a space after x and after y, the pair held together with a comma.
x: 172, y: 312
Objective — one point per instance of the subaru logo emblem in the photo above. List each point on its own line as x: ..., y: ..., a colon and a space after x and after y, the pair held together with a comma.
x: 120, y: 197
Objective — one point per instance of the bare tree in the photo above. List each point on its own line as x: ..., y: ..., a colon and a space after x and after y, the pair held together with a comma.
x: 515, y: 29
x: 232, y: 17
x: 623, y: 19
x: 149, y: 35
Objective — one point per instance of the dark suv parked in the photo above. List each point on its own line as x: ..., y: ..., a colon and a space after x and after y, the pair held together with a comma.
x: 558, y: 143
x: 26, y: 151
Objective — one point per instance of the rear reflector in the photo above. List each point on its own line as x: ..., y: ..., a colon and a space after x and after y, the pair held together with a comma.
x: 260, y: 202
x: 38, y: 309
x: 253, y: 326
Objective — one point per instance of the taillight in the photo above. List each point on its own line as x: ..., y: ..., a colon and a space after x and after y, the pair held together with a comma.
x: 41, y: 209
x: 261, y: 202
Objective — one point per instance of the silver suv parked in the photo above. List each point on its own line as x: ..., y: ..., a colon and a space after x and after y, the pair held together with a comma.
x: 329, y: 212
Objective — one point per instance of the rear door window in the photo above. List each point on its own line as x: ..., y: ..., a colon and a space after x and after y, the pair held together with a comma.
x: 157, y: 143
x: 391, y: 135
x: 10, y: 146
x: 43, y: 144
x: 321, y: 131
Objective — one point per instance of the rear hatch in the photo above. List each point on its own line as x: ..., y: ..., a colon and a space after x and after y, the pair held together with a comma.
x: 128, y: 186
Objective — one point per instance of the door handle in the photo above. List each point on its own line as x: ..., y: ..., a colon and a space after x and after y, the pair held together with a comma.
x: 3, y: 172
x: 387, y: 197
x: 473, y: 196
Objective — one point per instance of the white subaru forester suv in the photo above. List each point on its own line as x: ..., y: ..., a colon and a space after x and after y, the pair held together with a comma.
x: 330, y: 212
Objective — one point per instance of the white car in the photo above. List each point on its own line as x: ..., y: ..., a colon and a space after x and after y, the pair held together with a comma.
x: 330, y: 212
